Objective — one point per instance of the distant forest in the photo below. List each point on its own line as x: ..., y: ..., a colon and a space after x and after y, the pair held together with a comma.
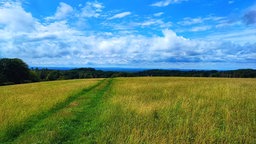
x: 15, y: 71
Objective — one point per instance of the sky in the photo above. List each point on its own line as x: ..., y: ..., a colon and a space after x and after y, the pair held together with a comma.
x: 169, y: 34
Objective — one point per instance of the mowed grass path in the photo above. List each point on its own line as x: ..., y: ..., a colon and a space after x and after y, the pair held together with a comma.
x: 153, y: 110
x: 20, y: 104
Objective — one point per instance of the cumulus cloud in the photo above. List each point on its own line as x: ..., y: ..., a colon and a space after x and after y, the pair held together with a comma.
x: 120, y: 15
x: 165, y: 3
x: 63, y: 11
x: 14, y: 18
x: 58, y: 43
x: 58, y: 40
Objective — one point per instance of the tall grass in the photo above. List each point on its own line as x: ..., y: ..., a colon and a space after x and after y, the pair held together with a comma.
x: 74, y: 121
x: 143, y: 110
x: 180, y: 110
x: 19, y: 102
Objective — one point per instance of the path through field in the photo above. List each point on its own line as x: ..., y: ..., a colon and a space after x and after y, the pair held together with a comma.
x: 148, y: 110
x: 66, y: 121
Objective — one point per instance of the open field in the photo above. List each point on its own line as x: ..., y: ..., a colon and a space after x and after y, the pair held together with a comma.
x: 18, y: 103
x: 133, y: 110
x: 181, y: 110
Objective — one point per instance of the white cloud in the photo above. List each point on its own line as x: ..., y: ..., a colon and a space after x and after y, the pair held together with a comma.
x: 199, y: 20
x: 92, y: 9
x: 63, y: 11
x: 165, y: 3
x: 197, y: 24
x: 226, y: 23
x: 190, y: 21
x: 237, y: 36
x: 58, y: 43
x: 120, y: 15
x: 158, y: 14
x: 14, y: 18
x: 154, y: 24
x: 200, y: 28
x: 149, y: 22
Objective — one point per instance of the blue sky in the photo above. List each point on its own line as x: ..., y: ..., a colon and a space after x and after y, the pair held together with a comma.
x: 182, y: 34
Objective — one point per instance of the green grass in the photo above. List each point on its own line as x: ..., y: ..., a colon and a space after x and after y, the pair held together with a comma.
x: 149, y: 110
x: 76, y: 120
x: 22, y: 105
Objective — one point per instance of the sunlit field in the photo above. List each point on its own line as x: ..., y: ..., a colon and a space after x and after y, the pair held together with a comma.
x: 134, y: 110
x: 20, y: 102
x: 180, y: 110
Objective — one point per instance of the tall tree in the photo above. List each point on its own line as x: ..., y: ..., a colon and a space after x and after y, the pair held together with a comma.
x: 14, y: 70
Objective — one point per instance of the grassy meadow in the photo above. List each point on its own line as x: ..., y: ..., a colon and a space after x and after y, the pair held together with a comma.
x: 18, y: 103
x: 131, y: 110
x: 181, y: 110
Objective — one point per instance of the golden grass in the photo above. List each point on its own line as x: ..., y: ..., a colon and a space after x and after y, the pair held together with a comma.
x: 137, y: 110
x: 19, y: 102
x: 147, y: 94
x: 183, y: 110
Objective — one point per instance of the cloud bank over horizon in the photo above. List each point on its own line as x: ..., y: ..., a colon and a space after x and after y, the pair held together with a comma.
x: 96, y: 34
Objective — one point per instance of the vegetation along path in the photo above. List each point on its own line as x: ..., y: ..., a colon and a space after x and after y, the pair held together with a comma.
x: 146, y: 110
x: 77, y: 116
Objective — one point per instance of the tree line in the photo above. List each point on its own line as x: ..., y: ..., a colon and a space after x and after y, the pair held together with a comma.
x: 15, y: 71
x: 241, y: 73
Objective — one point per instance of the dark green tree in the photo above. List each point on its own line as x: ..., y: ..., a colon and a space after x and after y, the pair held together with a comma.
x: 14, y: 71
x: 54, y: 75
